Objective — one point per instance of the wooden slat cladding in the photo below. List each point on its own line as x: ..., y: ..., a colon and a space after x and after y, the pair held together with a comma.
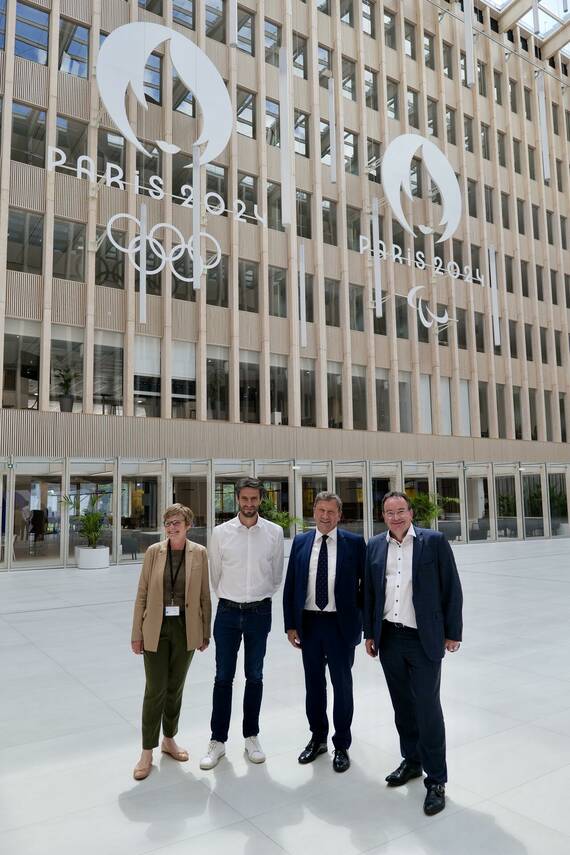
x: 111, y: 202
x: 68, y: 302
x: 150, y: 126
x: 79, y: 10
x: 113, y: 14
x: 110, y: 309
x: 153, y: 324
x: 27, y: 186
x: 73, y: 96
x: 71, y: 195
x: 23, y: 295
x: 184, y: 320
x: 30, y: 82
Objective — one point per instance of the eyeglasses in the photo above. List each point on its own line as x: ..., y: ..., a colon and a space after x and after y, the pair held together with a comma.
x: 174, y: 523
x: 397, y: 515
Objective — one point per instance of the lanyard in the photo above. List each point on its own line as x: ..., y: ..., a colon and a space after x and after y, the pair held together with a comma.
x: 174, y: 577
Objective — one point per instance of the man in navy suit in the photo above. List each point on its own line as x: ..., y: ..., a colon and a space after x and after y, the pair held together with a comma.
x: 412, y: 616
x: 322, y: 602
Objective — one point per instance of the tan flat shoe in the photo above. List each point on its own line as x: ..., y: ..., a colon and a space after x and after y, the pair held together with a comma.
x: 181, y: 756
x: 141, y: 772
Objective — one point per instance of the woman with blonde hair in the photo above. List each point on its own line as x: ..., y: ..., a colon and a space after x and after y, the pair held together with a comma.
x: 172, y: 618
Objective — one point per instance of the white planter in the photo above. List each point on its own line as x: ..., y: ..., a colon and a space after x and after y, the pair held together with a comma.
x: 92, y: 559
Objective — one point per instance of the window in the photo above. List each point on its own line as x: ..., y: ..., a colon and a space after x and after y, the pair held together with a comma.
x: 513, y: 95
x: 369, y: 18
x: 274, y: 220
x: 247, y: 193
x: 216, y: 20
x: 448, y: 60
x: 554, y: 287
x: 309, y: 313
x: 528, y: 341
x: 410, y: 39
x: 66, y: 368
x: 109, y: 261
x: 539, y: 283
x: 147, y: 166
x: 405, y: 401
x: 347, y: 12
x: 527, y: 104
x: 517, y: 156
x: 432, y: 124
x: 509, y: 274
x: 183, y: 13
x: 463, y: 68
x: 555, y: 120
x: 413, y: 109
x: 401, y: 310
x: 485, y: 141
x: 429, y: 50
x: 389, y: 29
x: 544, y: 345
x: 277, y: 292
x: 2, y: 24
x: 272, y: 42
x: 353, y: 228
x: 520, y: 216
x: 71, y: 137
x: 501, y: 148
x: 563, y: 235
x: 558, y: 348
x: 334, y: 394
x: 351, y: 152
x: 472, y: 197
x: 524, y: 278
x: 482, y: 78
x: 356, y: 307
x: 183, y: 383
x: 217, y: 382
x: 301, y: 133
x: 393, y: 99
x: 371, y: 88
x: 245, y: 113
x: 324, y: 58
x: 559, y: 179
x: 550, y: 227
x: 349, y: 79
x: 498, y: 87
x: 308, y: 396
x: 245, y: 31
x: 468, y: 133
x: 303, y: 214
x: 535, y: 222
x: 513, y: 339
x: 182, y: 100
x: 373, y: 165
x: 25, y: 241
x: 69, y: 250
x: 108, y: 373
x: 359, y: 414
x: 325, y: 142
x: 272, y: 125
x: 152, y: 79
x: 32, y: 28
x: 278, y: 389
x: 324, y: 6
x: 73, y: 48
x: 450, y: 125
x: 480, y: 332
x: 329, y: 222
x: 461, y: 317
x: 531, y: 166
x: 505, y: 210
x: 382, y: 399
x: 248, y: 386
x: 28, y: 134
x: 332, y: 303
x: 416, y: 178
x: 248, y: 285
x: 300, y: 65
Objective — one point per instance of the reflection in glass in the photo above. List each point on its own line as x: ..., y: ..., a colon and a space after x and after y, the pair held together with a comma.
x: 96, y: 488
x: 310, y: 487
x: 507, y: 523
x: 558, y: 504
x: 351, y: 492
x: 532, y: 504
x: 139, y: 516
x: 3, y: 511
x: 192, y: 492
x: 37, y: 518
x: 380, y: 486
x: 450, y: 521
x: 21, y: 365
x: 477, y: 490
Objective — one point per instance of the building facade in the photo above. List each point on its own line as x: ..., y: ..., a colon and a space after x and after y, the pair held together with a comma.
x: 283, y: 362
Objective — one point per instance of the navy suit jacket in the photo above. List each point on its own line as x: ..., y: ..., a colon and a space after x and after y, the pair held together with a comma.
x: 349, y: 581
x: 436, y: 590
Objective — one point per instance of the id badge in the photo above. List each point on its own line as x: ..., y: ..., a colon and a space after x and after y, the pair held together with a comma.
x: 172, y: 611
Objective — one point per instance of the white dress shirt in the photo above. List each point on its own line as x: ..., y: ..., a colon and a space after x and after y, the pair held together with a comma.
x: 398, y: 604
x: 246, y: 564
x: 310, y: 603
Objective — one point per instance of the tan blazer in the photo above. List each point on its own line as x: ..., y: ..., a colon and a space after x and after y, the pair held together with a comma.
x: 149, y: 605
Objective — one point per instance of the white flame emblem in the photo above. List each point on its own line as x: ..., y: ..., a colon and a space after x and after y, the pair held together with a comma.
x: 121, y: 64
x: 396, y: 177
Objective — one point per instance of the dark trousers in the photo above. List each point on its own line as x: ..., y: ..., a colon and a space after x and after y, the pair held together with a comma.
x: 231, y: 625
x: 413, y: 682
x: 322, y: 645
x: 165, y: 675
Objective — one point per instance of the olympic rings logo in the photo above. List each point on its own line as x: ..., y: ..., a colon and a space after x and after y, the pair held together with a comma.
x: 180, y: 248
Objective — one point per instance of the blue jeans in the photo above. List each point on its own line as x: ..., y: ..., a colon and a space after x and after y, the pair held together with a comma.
x: 231, y: 624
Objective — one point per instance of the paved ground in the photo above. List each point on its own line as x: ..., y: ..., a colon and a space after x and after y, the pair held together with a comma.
x: 69, y: 731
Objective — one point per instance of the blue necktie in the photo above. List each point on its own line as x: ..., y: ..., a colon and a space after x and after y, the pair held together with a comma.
x: 322, y: 580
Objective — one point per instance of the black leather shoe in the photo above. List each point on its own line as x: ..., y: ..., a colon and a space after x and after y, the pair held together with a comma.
x: 312, y: 751
x: 341, y: 760
x: 404, y: 773
x: 435, y: 799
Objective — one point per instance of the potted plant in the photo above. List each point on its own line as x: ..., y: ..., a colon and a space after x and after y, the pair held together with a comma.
x: 66, y: 378
x: 91, y: 525
x: 428, y: 507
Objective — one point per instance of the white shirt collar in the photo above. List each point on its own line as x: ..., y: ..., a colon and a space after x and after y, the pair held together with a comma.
x: 238, y: 523
x: 332, y: 535
x: 411, y: 532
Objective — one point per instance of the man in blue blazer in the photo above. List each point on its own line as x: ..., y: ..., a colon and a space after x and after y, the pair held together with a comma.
x: 322, y: 602
x: 412, y: 616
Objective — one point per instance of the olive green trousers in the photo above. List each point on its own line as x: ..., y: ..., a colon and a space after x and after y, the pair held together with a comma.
x: 165, y: 676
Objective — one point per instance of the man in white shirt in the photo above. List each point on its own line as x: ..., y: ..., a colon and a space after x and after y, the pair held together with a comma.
x: 246, y: 567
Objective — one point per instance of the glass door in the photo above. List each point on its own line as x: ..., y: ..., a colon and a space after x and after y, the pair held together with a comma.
x: 478, y: 504
x: 384, y: 478
x: 37, y: 506
x: 4, y: 541
x: 449, y: 488
x: 91, y: 485
x: 349, y: 485
x: 507, y: 501
x: 533, y: 503
x: 141, y: 507
x: 558, y: 500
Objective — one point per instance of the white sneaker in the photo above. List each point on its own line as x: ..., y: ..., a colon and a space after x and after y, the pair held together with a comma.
x: 216, y: 751
x: 254, y: 750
